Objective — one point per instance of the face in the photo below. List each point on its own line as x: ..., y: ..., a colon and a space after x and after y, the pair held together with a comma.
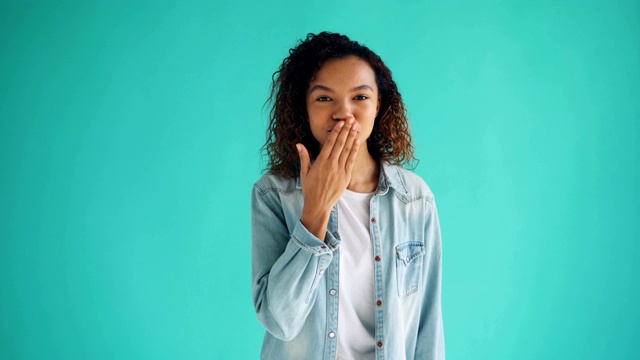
x: 343, y: 88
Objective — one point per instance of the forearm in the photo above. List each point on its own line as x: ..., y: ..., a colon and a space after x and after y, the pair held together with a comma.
x: 287, y: 265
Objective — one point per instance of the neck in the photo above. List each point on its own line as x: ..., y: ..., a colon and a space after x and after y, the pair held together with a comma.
x: 366, y: 172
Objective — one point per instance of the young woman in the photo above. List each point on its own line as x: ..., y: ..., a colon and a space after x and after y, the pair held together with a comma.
x: 346, y: 249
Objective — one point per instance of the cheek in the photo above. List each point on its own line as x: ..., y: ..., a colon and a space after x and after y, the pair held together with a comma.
x: 367, y: 117
x: 369, y: 111
x: 318, y: 130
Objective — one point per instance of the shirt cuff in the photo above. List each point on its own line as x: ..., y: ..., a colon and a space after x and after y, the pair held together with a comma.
x: 310, y: 242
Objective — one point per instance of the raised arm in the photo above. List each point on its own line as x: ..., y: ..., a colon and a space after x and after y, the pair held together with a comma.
x: 286, y: 267
x: 288, y: 261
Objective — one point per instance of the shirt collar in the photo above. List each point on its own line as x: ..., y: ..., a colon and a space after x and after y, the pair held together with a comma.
x: 390, y: 177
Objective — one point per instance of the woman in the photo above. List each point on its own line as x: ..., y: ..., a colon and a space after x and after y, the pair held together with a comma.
x: 346, y: 249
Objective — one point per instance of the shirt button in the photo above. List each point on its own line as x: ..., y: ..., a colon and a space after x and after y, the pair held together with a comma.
x: 321, y: 271
x: 373, y: 220
x: 377, y: 258
x: 379, y: 303
x: 332, y: 335
x: 332, y: 292
x: 379, y: 343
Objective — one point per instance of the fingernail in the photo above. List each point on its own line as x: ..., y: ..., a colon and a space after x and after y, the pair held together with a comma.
x: 298, y: 147
x: 354, y: 127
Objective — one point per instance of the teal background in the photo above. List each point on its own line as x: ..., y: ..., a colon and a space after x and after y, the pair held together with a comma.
x: 129, y: 142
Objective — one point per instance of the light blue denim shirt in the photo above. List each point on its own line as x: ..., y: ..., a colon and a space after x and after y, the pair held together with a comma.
x: 295, y: 274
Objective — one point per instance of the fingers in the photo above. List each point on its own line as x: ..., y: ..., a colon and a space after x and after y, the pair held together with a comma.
x: 352, y: 156
x: 338, y: 147
x: 331, y: 139
x: 305, y: 162
x: 349, y: 143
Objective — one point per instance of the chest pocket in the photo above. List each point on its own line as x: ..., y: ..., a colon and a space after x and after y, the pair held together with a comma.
x: 409, y: 258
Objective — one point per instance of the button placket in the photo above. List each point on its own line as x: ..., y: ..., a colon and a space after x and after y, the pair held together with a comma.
x: 374, y: 226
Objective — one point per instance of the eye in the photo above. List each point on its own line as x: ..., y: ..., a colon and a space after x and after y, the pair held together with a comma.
x: 361, y: 97
x: 323, y: 98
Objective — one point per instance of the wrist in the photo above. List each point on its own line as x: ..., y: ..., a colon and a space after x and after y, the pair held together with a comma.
x: 316, y: 221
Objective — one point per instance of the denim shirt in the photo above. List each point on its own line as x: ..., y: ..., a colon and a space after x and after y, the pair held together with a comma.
x: 295, y: 274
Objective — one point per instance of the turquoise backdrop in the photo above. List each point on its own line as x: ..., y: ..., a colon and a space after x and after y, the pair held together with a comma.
x: 130, y: 136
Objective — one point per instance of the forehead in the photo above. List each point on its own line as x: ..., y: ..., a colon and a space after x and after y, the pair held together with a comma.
x: 350, y: 70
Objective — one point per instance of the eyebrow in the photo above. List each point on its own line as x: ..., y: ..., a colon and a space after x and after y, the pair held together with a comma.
x: 328, y: 89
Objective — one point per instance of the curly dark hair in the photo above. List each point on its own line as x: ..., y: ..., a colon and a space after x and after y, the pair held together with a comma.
x: 390, y: 139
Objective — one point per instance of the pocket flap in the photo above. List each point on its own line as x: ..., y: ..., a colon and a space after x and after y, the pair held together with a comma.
x: 409, y: 251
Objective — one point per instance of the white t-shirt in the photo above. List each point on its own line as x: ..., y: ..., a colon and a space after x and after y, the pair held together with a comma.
x: 356, y: 312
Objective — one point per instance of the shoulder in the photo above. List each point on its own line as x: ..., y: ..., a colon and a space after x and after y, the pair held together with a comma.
x: 407, y: 182
x: 273, y: 182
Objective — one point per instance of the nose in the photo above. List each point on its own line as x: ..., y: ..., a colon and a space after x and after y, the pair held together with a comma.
x: 341, y: 111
